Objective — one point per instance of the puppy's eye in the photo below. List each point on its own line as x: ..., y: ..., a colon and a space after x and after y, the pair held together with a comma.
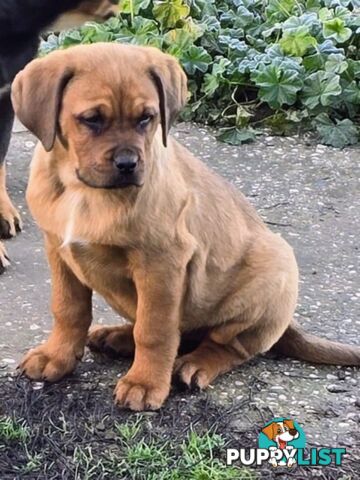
x: 144, y: 120
x: 94, y: 122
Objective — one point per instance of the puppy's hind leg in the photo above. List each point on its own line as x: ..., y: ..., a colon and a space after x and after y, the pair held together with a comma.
x: 260, y: 323
x: 219, y: 354
x: 114, y: 341
x: 10, y: 222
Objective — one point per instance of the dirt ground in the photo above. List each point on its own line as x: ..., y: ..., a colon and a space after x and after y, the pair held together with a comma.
x: 311, y: 195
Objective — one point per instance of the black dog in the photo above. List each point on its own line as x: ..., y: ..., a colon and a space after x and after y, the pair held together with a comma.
x: 21, y: 22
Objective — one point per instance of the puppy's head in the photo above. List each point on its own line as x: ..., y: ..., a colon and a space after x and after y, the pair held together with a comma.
x: 103, y: 103
x: 96, y: 10
x: 285, y: 430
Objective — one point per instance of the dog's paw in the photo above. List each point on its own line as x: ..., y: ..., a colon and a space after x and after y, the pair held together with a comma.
x: 113, y: 341
x: 139, y: 395
x: 42, y: 364
x: 4, y: 259
x: 194, y: 371
x: 10, y: 221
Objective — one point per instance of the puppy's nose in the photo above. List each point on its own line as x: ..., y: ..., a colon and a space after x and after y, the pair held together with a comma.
x: 293, y: 432
x: 126, y: 160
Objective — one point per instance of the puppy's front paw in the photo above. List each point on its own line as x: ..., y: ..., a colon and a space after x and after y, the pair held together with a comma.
x: 138, y: 394
x: 4, y: 259
x: 43, y: 364
x: 10, y: 221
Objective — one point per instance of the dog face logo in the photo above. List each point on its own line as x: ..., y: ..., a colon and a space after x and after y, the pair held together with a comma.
x: 282, y: 437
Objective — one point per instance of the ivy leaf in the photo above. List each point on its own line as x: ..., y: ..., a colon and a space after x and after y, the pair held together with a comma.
x: 141, y: 32
x: 178, y: 39
x: 325, y: 14
x: 213, y: 80
x: 335, y: 28
x: 351, y: 93
x: 308, y: 21
x: 313, y: 5
x: 235, y: 136
x: 297, y: 44
x: 354, y: 68
x: 200, y: 8
x: 280, y: 124
x: 196, y: 30
x: 327, y: 47
x: 245, y: 17
x: 320, y: 88
x: 336, y: 63
x: 133, y: 6
x: 195, y: 58
x: 335, y: 3
x: 51, y: 44
x: 338, y: 134
x: 277, y: 86
x: 73, y: 37
x: 279, y: 10
x: 314, y: 62
x: 169, y: 12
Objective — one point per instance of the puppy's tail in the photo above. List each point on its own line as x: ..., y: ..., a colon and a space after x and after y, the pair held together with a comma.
x: 299, y: 344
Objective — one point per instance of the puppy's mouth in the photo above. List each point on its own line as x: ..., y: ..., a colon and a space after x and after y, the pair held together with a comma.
x: 114, y: 182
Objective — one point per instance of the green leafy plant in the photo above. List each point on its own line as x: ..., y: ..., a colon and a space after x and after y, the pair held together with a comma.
x: 13, y: 430
x: 279, y: 63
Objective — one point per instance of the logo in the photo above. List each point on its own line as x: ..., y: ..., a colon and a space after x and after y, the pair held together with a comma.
x: 282, y: 437
x: 282, y: 443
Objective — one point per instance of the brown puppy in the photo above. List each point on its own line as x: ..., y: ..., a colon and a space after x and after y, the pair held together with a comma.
x: 128, y: 212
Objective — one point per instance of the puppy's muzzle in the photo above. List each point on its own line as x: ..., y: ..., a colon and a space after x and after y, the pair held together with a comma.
x: 126, y: 161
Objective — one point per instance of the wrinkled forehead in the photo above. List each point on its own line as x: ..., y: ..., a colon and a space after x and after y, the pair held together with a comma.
x: 121, y: 87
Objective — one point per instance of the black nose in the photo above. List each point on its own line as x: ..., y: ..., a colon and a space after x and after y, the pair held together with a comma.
x: 293, y: 432
x: 126, y: 160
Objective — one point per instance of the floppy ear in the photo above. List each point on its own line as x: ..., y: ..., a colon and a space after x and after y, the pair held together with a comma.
x: 290, y: 424
x: 37, y: 96
x: 269, y: 431
x: 171, y: 84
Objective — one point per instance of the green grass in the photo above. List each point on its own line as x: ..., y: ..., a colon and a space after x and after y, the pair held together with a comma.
x: 134, y: 452
x: 128, y: 431
x: 198, y: 457
x: 13, y: 430
x: 16, y: 432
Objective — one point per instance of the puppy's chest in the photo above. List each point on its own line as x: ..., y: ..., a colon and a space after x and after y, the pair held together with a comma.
x: 105, y: 269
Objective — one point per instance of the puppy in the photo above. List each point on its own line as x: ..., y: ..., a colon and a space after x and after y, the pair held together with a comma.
x: 128, y: 212
x: 21, y: 22
x: 281, y: 433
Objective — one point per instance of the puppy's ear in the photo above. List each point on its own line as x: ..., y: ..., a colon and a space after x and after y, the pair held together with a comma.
x: 171, y: 84
x: 290, y: 424
x: 37, y: 93
x: 269, y: 431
